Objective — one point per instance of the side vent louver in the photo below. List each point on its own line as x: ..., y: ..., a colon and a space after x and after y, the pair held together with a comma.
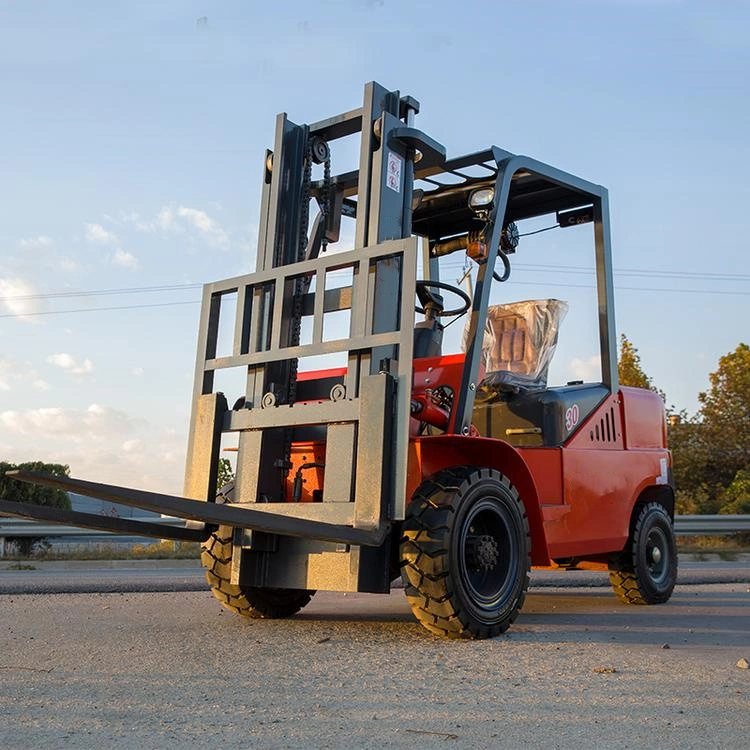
x: 605, y: 430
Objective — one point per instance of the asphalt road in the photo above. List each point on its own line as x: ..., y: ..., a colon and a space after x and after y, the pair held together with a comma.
x: 186, y: 575
x: 173, y: 669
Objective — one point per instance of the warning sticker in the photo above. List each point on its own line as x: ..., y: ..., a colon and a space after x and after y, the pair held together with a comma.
x: 393, y: 178
x: 663, y: 477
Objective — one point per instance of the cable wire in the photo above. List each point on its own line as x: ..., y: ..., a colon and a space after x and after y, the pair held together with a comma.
x: 539, y: 231
x: 99, y: 292
x: 542, y: 268
x: 98, y: 309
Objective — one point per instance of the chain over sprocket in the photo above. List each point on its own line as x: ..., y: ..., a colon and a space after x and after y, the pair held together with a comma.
x: 316, y: 150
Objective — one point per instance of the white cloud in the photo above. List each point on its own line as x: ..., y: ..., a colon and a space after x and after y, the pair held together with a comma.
x: 61, y: 360
x: 6, y: 374
x: 165, y: 219
x: 27, y: 422
x: 66, y: 264
x: 589, y: 370
x: 98, y: 443
x: 15, y: 296
x: 85, y: 368
x: 199, y: 219
x: 43, y: 256
x: 182, y: 220
x: 122, y: 218
x: 69, y: 364
x: 97, y: 233
x: 35, y: 243
x: 137, y: 371
x: 14, y: 373
x: 79, y: 425
x: 125, y: 259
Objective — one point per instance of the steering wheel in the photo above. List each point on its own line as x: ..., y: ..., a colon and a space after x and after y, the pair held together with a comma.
x: 427, y: 284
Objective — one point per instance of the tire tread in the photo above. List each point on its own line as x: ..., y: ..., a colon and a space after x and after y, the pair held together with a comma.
x: 254, y: 603
x: 425, y: 555
x: 627, y: 583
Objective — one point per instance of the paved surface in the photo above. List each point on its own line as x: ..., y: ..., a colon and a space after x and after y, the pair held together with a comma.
x: 577, y: 670
x: 131, y: 576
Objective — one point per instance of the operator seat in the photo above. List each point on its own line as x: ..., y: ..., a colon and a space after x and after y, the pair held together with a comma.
x: 519, y: 341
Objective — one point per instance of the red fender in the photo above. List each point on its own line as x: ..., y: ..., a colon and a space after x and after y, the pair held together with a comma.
x: 429, y: 455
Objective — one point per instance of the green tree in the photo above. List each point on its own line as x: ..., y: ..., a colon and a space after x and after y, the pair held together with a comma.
x: 629, y: 369
x: 22, y: 492
x: 725, y: 418
x: 737, y: 497
x: 225, y: 475
x: 685, y: 439
x: 712, y: 449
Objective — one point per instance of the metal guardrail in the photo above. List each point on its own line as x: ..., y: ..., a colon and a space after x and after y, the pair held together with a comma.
x: 710, y: 525
x: 18, y: 527
x: 683, y: 526
x: 13, y: 527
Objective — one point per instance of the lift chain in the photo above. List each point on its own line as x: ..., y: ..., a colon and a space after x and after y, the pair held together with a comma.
x: 297, y: 302
x: 325, y: 207
x: 299, y: 283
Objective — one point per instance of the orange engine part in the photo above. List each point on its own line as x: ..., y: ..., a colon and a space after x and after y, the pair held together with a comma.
x: 312, y: 477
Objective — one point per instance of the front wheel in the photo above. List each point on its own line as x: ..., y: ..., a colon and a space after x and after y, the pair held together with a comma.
x: 646, y: 571
x: 465, y: 553
x: 254, y: 602
x: 248, y: 601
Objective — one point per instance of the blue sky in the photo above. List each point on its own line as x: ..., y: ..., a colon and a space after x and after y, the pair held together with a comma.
x: 132, y: 145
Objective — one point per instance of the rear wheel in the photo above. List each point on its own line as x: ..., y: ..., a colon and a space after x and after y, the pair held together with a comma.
x: 216, y: 557
x: 646, y: 571
x: 465, y: 553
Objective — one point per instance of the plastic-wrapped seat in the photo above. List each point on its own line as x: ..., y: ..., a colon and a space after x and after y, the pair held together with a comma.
x: 519, y: 341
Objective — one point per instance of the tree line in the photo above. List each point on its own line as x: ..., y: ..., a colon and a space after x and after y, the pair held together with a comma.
x: 32, y: 494
x: 711, y: 448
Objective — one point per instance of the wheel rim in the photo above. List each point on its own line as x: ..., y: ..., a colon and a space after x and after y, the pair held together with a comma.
x: 488, y: 554
x: 657, y: 555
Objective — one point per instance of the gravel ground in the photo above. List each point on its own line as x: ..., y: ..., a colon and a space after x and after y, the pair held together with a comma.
x: 577, y: 670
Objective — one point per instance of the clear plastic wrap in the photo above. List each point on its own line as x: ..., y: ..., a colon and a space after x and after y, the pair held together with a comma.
x: 519, y: 342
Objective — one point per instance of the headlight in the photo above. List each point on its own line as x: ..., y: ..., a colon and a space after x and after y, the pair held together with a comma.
x: 482, y: 198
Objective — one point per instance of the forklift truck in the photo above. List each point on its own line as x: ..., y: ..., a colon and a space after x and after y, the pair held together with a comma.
x: 365, y: 453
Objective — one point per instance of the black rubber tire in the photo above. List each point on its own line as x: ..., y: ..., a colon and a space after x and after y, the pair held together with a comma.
x: 257, y: 603
x: 646, y: 570
x: 465, y: 553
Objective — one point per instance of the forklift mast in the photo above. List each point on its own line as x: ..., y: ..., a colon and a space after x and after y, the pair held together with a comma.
x: 360, y: 411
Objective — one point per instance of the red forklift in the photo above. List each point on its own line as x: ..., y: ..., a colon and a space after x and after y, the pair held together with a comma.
x: 364, y: 453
